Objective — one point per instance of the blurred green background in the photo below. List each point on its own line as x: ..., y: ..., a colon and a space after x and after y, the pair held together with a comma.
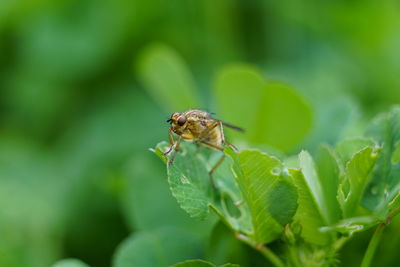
x: 78, y: 109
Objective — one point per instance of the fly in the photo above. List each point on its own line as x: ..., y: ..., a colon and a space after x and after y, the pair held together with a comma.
x: 198, y: 126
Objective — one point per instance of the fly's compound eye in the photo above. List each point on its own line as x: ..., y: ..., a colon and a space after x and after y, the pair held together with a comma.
x: 181, y: 120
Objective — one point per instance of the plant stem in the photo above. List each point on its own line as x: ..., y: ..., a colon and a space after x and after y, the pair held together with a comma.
x: 392, y: 213
x: 376, y: 237
x: 340, y: 243
x: 373, y: 244
x: 294, y: 257
x: 268, y: 254
x: 271, y: 256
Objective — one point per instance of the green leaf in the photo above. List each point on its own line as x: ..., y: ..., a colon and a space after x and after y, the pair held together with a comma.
x: 328, y: 174
x: 283, y: 208
x: 284, y: 118
x: 194, y: 263
x: 395, y: 200
x: 308, y: 213
x: 340, y: 112
x: 273, y: 114
x: 146, y: 183
x: 271, y: 199
x: 385, y: 129
x: 234, y: 84
x: 396, y: 153
x: 201, y: 263
x: 192, y: 192
x: 348, y: 147
x: 167, y: 78
x: 223, y: 246
x: 33, y: 203
x: 70, y: 263
x: 158, y: 248
x: 190, y: 184
x: 316, y: 185
x: 352, y: 225
x: 357, y: 175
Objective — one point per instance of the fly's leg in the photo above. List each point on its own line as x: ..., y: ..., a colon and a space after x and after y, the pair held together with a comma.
x: 178, y: 143
x: 174, y: 146
x: 172, y: 143
x: 214, y: 168
x: 212, y: 145
x: 223, y: 136
x: 232, y: 146
x: 198, y: 147
x: 221, y: 130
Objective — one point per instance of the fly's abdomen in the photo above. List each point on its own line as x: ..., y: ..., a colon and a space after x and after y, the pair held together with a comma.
x: 214, y: 137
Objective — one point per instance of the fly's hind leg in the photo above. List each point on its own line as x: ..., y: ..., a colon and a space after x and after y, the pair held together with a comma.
x: 213, y: 169
x: 232, y: 146
x: 223, y: 136
x: 219, y: 162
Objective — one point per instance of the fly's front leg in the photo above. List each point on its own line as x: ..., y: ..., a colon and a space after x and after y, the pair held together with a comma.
x: 172, y: 143
x: 178, y: 143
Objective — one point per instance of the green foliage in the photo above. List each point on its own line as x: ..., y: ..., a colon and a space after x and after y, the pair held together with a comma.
x: 224, y: 247
x: 385, y: 129
x: 151, y: 187
x: 161, y: 247
x: 282, y: 110
x: 194, y: 263
x: 308, y: 213
x: 328, y: 173
x: 86, y: 88
x: 200, y: 263
x: 347, y: 148
x: 270, y: 111
x: 233, y: 84
x: 314, y: 209
x: 70, y: 263
x: 167, y: 78
x: 28, y: 186
x: 322, y: 188
x: 262, y: 181
x: 357, y: 177
x: 190, y: 184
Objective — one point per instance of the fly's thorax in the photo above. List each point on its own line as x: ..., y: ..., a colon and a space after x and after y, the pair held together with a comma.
x: 196, y: 127
x: 196, y: 113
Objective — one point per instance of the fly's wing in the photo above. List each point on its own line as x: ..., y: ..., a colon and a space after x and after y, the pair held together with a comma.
x: 233, y: 127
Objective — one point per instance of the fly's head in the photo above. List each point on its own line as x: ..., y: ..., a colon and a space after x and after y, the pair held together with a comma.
x: 178, y: 122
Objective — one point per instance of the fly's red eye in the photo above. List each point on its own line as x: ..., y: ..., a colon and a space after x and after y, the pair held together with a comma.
x: 181, y: 120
